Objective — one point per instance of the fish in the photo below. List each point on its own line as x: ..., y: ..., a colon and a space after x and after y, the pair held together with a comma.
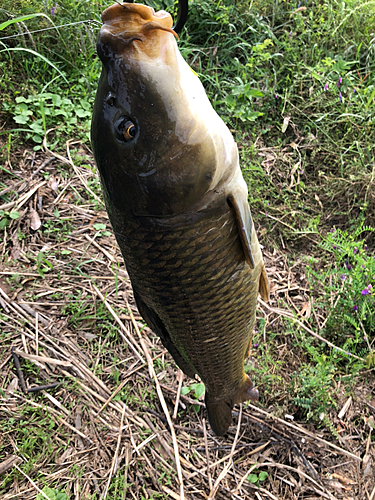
x: 178, y: 205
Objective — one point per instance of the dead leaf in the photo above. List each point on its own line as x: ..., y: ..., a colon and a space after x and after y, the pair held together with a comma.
x: 318, y: 200
x: 370, y: 422
x: 16, y: 249
x: 285, y: 123
x: 343, y: 479
x: 69, y: 451
x: 306, y: 309
x: 35, y: 221
x: 53, y: 183
x: 300, y: 9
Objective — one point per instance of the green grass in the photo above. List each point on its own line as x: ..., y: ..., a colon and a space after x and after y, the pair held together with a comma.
x: 298, y: 91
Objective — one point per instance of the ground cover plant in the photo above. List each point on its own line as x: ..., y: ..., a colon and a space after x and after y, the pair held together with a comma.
x: 295, y: 82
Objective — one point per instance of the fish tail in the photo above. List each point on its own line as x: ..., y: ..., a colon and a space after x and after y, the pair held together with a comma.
x: 219, y: 414
x: 220, y: 410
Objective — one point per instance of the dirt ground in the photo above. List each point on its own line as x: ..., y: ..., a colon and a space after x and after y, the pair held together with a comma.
x: 117, y: 425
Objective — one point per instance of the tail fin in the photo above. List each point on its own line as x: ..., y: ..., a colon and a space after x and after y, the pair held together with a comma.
x: 220, y: 410
x: 219, y: 414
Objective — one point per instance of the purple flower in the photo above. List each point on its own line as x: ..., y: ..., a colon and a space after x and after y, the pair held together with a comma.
x: 355, y: 308
x: 355, y: 251
x: 299, y: 4
x: 354, y: 90
x: 343, y: 277
x: 369, y: 287
x: 339, y: 82
x: 276, y: 96
x: 256, y: 345
x: 326, y: 86
x: 347, y: 265
x: 53, y: 10
x: 340, y: 97
x: 365, y: 291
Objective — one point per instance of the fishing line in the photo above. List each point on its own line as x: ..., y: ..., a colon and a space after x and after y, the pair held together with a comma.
x: 51, y: 28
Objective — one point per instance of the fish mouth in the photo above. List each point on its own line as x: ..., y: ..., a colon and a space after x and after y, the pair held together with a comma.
x: 128, y: 22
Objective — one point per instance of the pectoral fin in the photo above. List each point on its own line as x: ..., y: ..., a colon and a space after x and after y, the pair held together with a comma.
x: 244, y: 221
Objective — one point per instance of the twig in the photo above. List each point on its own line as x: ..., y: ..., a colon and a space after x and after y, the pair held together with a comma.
x: 42, y: 359
x: 224, y: 472
x: 180, y: 378
x: 114, y: 465
x: 118, y: 320
x: 207, y: 454
x: 31, y: 482
x: 50, y: 410
x: 162, y: 401
x: 103, y: 250
x: 23, y: 199
x: 316, y: 335
x: 99, y: 200
x: 18, y: 369
x: 9, y: 463
x: 43, y: 387
x: 304, y: 431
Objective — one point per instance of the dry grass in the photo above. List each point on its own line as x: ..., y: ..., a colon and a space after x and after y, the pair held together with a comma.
x: 107, y: 430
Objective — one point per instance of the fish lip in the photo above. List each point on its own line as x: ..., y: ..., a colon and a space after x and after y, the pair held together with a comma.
x: 116, y: 19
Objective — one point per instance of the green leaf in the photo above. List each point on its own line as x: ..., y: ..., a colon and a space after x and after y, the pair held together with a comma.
x: 14, y: 214
x: 49, y: 492
x: 21, y: 20
x: 4, y: 223
x: 263, y: 475
x: 38, y: 55
x: 185, y: 390
x: 199, y: 390
x: 253, y: 478
x: 22, y: 119
x: 99, y: 226
x: 253, y: 93
x: 61, y: 496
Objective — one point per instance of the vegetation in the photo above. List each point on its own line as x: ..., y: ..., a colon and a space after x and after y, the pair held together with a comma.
x: 295, y: 82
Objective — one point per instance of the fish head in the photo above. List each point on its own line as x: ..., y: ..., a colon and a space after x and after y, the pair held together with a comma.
x: 157, y: 141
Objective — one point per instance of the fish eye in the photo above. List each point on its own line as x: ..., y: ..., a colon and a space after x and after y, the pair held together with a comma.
x: 126, y: 129
x: 129, y: 131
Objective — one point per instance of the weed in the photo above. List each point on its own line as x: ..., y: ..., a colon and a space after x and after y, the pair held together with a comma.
x: 51, y: 494
x: 257, y: 477
x: 197, y: 390
x: 350, y: 280
x: 6, y: 217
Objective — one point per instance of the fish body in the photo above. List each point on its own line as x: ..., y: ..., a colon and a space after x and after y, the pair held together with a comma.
x: 177, y: 203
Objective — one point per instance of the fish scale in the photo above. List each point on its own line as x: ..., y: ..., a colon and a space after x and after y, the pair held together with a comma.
x: 203, y: 296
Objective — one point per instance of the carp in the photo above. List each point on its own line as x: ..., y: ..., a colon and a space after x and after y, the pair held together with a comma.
x: 177, y: 202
